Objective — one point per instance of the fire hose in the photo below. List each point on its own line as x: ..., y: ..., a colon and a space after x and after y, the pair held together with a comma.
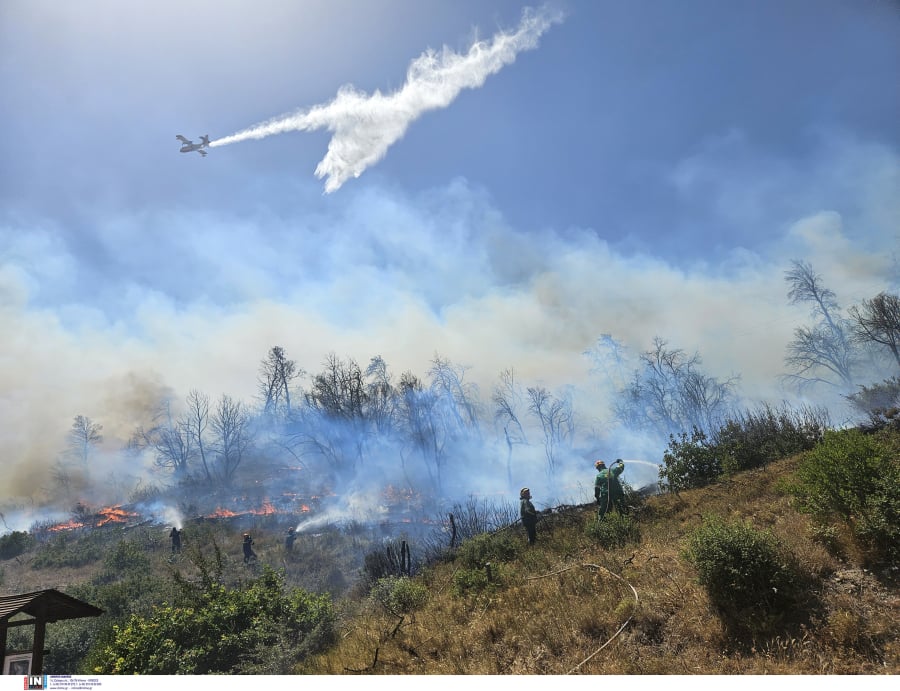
x: 620, y: 629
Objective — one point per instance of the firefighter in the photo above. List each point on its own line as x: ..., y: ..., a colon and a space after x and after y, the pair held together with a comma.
x: 289, y: 539
x: 175, y: 535
x: 607, y: 489
x: 529, y: 514
x: 249, y: 554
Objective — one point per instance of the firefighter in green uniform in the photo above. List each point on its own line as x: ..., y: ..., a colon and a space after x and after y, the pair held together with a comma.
x: 528, y: 514
x: 607, y: 489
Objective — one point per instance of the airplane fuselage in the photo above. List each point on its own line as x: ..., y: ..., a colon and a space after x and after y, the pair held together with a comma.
x: 190, y: 146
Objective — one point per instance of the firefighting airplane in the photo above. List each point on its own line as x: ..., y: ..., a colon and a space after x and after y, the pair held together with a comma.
x: 190, y: 146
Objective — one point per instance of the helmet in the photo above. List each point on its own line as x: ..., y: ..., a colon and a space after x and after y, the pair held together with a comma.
x: 599, y: 464
x: 524, y: 492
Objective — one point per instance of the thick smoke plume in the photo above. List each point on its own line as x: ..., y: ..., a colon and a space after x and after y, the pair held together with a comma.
x: 365, y: 125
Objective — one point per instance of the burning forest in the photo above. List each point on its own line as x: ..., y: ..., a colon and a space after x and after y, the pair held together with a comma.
x: 345, y: 445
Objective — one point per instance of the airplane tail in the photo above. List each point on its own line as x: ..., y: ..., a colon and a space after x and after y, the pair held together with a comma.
x: 205, y: 139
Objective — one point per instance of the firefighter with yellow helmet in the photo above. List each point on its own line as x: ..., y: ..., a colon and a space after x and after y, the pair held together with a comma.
x: 528, y: 514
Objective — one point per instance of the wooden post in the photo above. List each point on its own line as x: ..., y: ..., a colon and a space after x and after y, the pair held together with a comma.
x: 37, y: 648
x: 452, y: 532
x: 404, y: 559
x: 2, y: 643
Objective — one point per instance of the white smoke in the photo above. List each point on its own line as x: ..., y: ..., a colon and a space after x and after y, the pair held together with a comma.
x: 364, y: 125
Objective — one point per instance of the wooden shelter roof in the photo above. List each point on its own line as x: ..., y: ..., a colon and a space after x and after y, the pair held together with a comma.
x: 53, y: 604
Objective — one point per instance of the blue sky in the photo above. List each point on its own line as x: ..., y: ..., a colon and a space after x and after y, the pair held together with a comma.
x: 646, y: 168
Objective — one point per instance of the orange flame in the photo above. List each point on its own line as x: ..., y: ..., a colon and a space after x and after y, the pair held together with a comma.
x: 266, y: 510
x: 71, y: 524
x: 222, y: 513
x: 114, y: 514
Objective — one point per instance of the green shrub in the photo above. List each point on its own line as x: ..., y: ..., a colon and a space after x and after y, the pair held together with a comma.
x: 64, y: 550
x: 476, y: 580
x: 757, y: 437
x: 689, y: 462
x: 223, y: 631
x: 614, y: 530
x: 399, y: 595
x: 15, y: 543
x: 126, y: 556
x: 740, y: 567
x: 68, y: 642
x: 880, y: 403
x: 481, y: 549
x: 854, y: 478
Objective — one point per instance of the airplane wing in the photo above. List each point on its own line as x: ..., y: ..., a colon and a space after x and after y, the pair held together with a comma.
x: 201, y: 152
x: 179, y: 137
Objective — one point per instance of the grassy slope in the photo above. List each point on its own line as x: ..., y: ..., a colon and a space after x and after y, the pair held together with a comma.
x: 555, y: 605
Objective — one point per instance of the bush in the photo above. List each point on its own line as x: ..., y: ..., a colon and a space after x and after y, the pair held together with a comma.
x: 614, y: 530
x: 877, y: 399
x: 755, y: 438
x: 68, y: 642
x: 476, y: 580
x: 63, y: 550
x: 690, y: 462
x: 15, y: 543
x: 224, y: 631
x: 481, y: 549
x: 399, y: 595
x: 855, y: 478
x: 126, y: 556
x: 740, y: 567
x: 393, y: 559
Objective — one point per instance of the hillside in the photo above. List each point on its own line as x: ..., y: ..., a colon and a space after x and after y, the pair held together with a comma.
x: 551, y: 608
x: 619, y: 599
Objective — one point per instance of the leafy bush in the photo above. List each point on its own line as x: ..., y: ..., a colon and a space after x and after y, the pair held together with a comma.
x: 690, y: 462
x: 476, y: 580
x: 481, y: 549
x: 15, y: 543
x: 877, y: 398
x: 740, y: 567
x: 746, y: 440
x: 224, y: 631
x: 68, y: 642
x: 135, y: 592
x: 126, y: 556
x: 757, y: 437
x: 399, y: 595
x: 62, y: 550
x: 855, y: 478
x: 614, y: 530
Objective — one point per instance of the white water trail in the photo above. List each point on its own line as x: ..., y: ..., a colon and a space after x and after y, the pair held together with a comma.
x: 640, y: 477
x: 364, y: 125
x: 647, y: 463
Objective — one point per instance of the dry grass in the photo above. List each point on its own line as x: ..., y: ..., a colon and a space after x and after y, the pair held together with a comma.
x: 552, y: 607
x: 567, y: 605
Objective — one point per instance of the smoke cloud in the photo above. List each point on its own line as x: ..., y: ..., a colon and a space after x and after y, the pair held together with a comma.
x: 406, y: 277
x: 365, y: 125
